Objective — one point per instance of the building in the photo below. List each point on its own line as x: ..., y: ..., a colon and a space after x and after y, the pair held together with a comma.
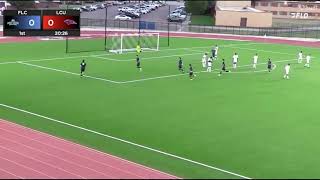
x: 240, y: 13
x: 290, y: 9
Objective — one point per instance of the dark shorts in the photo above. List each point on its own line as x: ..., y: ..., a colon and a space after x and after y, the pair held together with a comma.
x: 269, y: 67
x: 190, y: 73
x: 82, y: 69
x: 138, y: 65
x: 223, y: 69
x: 180, y: 67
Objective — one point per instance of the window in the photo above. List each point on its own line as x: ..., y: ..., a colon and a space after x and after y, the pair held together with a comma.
x: 311, y: 14
x: 293, y: 5
x: 274, y: 12
x: 264, y: 4
x: 283, y: 5
x: 310, y: 6
x: 283, y: 13
x: 274, y: 4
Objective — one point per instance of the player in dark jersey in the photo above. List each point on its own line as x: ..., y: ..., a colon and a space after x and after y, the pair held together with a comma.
x: 223, y: 68
x: 82, y: 67
x: 213, y: 52
x: 138, y: 63
x: 269, y: 65
x: 180, y: 65
x: 191, y: 73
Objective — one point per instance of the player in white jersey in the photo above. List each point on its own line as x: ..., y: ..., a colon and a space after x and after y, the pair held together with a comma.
x: 286, y: 71
x: 235, y: 58
x: 204, y: 60
x: 255, y: 61
x: 216, y: 48
x: 209, y: 68
x: 300, y: 57
x: 308, y: 58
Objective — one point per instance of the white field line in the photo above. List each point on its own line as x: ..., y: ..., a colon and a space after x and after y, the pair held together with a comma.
x: 137, y: 80
x: 273, y: 52
x: 97, y: 55
x: 246, y: 72
x: 12, y: 62
x: 67, y: 72
x: 174, y: 75
x: 125, y: 141
x: 148, y: 58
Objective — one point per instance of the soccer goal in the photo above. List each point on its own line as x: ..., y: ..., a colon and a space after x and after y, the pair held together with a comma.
x: 128, y: 42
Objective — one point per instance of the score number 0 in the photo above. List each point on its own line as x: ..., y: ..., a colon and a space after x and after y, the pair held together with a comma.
x: 50, y: 22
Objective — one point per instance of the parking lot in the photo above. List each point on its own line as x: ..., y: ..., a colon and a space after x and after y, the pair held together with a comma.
x: 158, y: 15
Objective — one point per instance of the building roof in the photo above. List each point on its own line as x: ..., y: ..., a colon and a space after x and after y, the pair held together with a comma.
x: 289, y: 1
x: 239, y: 9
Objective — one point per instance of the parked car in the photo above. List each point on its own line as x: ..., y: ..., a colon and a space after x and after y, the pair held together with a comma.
x: 180, y: 7
x: 86, y: 8
x: 122, y: 17
x: 179, y: 11
x: 132, y: 14
x: 79, y: 9
x: 123, y: 9
x: 144, y: 11
x: 176, y: 17
x: 108, y: 3
x: 100, y: 6
x: 118, y: 3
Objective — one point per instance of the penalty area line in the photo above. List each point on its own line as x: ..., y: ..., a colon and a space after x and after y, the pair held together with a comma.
x: 67, y: 72
x: 125, y: 141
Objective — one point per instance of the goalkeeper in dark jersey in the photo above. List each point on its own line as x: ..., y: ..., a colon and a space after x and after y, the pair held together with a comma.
x: 83, y: 66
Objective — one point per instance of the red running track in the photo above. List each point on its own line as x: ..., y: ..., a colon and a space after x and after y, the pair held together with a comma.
x: 29, y: 154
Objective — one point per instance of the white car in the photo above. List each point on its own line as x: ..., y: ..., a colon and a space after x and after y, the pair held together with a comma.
x: 123, y: 9
x: 144, y: 11
x: 122, y: 17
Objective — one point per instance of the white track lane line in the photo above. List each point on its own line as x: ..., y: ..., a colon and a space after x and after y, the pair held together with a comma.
x: 18, y: 177
x: 74, y: 154
x: 53, y: 166
x: 25, y: 167
x: 127, y: 142
x: 56, y: 157
x: 89, y: 149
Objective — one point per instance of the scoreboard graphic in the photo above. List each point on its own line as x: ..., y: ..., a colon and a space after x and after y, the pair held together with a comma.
x: 41, y: 23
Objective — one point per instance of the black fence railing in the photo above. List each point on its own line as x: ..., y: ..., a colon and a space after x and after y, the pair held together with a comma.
x: 293, y: 31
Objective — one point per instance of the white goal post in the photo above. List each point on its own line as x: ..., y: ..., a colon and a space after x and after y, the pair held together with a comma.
x: 128, y: 42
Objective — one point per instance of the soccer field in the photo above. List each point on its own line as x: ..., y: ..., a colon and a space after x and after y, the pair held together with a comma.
x: 242, y: 124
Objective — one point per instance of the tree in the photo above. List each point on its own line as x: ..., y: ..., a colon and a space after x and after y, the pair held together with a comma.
x: 22, y: 4
x: 197, y: 7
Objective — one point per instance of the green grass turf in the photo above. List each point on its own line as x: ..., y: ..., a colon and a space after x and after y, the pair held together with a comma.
x: 206, y: 20
x: 254, y: 124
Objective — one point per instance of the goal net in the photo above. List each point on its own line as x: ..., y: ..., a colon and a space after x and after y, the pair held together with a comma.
x: 128, y: 42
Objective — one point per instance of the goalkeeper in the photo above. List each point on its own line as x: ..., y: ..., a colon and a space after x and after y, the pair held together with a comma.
x: 138, y: 49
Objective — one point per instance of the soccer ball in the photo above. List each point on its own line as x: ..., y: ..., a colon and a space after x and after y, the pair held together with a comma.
x: 219, y: 74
